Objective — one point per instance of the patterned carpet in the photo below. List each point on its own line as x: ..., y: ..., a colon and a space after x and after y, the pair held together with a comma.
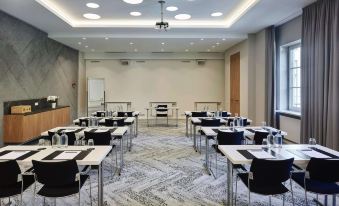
x: 163, y: 169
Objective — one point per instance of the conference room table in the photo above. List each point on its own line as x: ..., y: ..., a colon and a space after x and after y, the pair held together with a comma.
x: 116, y: 132
x: 243, y: 154
x: 212, y: 132
x: 129, y: 121
x: 149, y: 109
x: 89, y: 155
x: 135, y: 114
x: 196, y: 121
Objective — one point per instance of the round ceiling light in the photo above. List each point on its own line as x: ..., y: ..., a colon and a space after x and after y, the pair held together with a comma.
x: 91, y: 16
x: 92, y: 5
x: 135, y: 13
x: 133, y: 1
x: 216, y: 14
x: 182, y: 16
x: 172, y: 8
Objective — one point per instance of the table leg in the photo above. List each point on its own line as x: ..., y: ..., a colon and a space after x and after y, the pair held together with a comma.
x: 194, y: 137
x: 191, y: 132
x: 186, y: 125
x: 137, y: 126
x: 334, y: 200
x: 130, y: 137
x: 121, y: 155
x: 100, y: 186
x: 207, y: 155
x: 177, y: 116
x: 147, y: 118
x: 229, y: 182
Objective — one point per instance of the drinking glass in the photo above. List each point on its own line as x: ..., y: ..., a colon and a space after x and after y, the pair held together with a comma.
x: 83, y: 142
x: 265, y: 142
x: 83, y: 124
x: 115, y: 124
x: 91, y: 142
x: 41, y: 142
x: 312, y: 141
x: 263, y: 124
x: 47, y: 142
x: 232, y: 125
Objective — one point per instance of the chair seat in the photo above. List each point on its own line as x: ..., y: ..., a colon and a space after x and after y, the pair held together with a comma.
x: 315, y: 186
x: 162, y: 115
x: 15, y: 189
x: 62, y: 191
x: 263, y: 189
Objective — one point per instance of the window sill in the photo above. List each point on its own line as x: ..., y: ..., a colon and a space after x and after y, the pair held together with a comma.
x: 291, y: 114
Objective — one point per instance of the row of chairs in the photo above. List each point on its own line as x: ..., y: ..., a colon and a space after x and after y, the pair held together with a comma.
x: 120, y: 114
x: 108, y: 122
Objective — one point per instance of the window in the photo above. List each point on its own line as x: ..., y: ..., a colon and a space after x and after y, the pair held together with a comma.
x: 294, y: 76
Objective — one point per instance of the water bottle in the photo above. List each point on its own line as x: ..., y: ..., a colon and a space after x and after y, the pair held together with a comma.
x: 278, y: 140
x: 63, y: 140
x: 126, y: 115
x: 270, y: 139
x: 55, y: 140
x: 240, y: 121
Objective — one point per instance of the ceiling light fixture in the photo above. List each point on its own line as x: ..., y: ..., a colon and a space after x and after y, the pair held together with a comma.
x: 162, y: 25
x: 79, y: 43
x: 86, y: 46
x: 91, y: 16
x: 92, y: 5
x: 106, y: 38
x: 191, y: 43
x: 216, y: 14
x: 163, y: 43
x: 172, y: 8
x: 84, y: 38
x: 131, y: 43
x: 135, y: 13
x: 135, y: 50
x: 224, y: 39
x: 186, y: 50
x: 133, y: 1
x: 182, y: 16
x: 202, y: 39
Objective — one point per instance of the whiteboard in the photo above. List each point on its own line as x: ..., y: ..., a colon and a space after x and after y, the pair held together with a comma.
x: 96, y: 89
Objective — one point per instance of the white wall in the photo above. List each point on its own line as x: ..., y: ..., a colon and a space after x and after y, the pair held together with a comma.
x: 160, y: 80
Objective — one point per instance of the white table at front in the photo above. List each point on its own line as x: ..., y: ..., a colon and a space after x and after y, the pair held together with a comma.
x: 94, y: 158
x: 168, y: 108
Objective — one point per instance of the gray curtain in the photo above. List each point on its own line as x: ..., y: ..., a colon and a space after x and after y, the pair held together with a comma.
x: 320, y: 73
x: 270, y: 75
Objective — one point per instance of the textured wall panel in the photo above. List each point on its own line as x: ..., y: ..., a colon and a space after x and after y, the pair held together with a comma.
x: 34, y: 66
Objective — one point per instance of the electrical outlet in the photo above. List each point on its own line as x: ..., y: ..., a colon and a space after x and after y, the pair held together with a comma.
x: 36, y: 103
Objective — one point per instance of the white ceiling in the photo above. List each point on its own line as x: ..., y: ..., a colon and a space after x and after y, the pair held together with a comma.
x: 63, y: 21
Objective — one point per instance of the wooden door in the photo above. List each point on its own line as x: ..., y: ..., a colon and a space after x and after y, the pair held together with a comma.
x: 235, y: 83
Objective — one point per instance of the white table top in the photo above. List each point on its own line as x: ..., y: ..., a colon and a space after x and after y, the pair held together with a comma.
x: 196, y: 120
x: 151, y: 108
x: 209, y: 113
x: 231, y: 152
x: 135, y: 113
x: 209, y: 130
x: 95, y: 157
x: 102, y: 119
x: 120, y: 131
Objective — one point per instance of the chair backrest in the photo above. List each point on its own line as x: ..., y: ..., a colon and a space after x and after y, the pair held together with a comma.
x: 55, y: 173
x: 225, y: 114
x: 244, y: 122
x: 325, y: 170
x: 259, y: 136
x: 230, y: 138
x: 83, y: 120
x: 110, y: 122
x: 199, y: 114
x: 270, y: 172
x: 99, y: 138
x: 210, y: 122
x: 161, y: 108
x: 70, y: 135
x: 9, y: 171
x: 122, y: 114
x: 101, y: 114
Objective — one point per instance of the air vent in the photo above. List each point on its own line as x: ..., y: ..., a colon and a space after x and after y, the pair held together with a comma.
x: 186, y: 61
x: 95, y: 61
x: 124, y: 62
x: 140, y: 61
x: 108, y: 52
x: 201, y: 62
x: 162, y: 52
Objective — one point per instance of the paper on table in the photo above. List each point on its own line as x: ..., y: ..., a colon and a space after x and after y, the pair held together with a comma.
x: 225, y: 130
x: 101, y: 130
x: 67, y: 155
x: 312, y: 153
x: 13, y: 155
x: 261, y: 154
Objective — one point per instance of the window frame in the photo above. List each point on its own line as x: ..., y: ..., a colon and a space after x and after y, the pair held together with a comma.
x: 289, y: 86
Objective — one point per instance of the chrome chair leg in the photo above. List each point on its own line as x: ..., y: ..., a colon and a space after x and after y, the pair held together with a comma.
x: 216, y: 165
x: 292, y: 192
x: 270, y: 200
x: 44, y: 201
x: 236, y: 190
x: 306, y: 197
x: 283, y: 199
x: 90, y: 189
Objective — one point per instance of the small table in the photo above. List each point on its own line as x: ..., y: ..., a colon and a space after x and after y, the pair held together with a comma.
x: 94, y: 158
x: 168, y: 108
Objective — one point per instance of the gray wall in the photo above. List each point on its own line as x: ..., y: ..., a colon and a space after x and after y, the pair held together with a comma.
x: 34, y: 66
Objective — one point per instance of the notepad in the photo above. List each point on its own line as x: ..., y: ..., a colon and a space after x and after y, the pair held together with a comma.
x: 225, y: 130
x: 67, y: 155
x: 13, y: 155
x: 101, y: 130
x: 261, y: 154
x: 312, y: 153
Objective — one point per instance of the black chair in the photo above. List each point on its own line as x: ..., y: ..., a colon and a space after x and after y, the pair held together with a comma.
x: 119, y: 122
x: 244, y: 122
x: 227, y: 138
x: 267, y: 177
x: 122, y: 114
x: 321, y: 177
x: 259, y: 136
x: 83, y: 121
x: 12, y: 181
x: 199, y: 114
x: 101, y: 114
x: 70, y: 135
x: 208, y: 123
x: 225, y: 114
x: 161, y: 111
x: 59, y: 179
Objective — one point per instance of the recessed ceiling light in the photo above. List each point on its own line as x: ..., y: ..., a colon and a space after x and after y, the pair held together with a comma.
x: 224, y: 39
x: 213, y: 46
x: 92, y: 5
x: 79, y: 43
x: 191, y: 43
x: 162, y: 50
x: 208, y: 50
x: 172, y: 8
x: 135, y: 50
x: 106, y: 38
x: 133, y: 1
x: 186, y: 50
x: 216, y: 14
x: 202, y: 39
x: 135, y: 13
x: 131, y: 43
x: 91, y: 16
x: 163, y: 43
x: 86, y: 46
x: 182, y: 16
x: 217, y: 43
x: 84, y: 38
